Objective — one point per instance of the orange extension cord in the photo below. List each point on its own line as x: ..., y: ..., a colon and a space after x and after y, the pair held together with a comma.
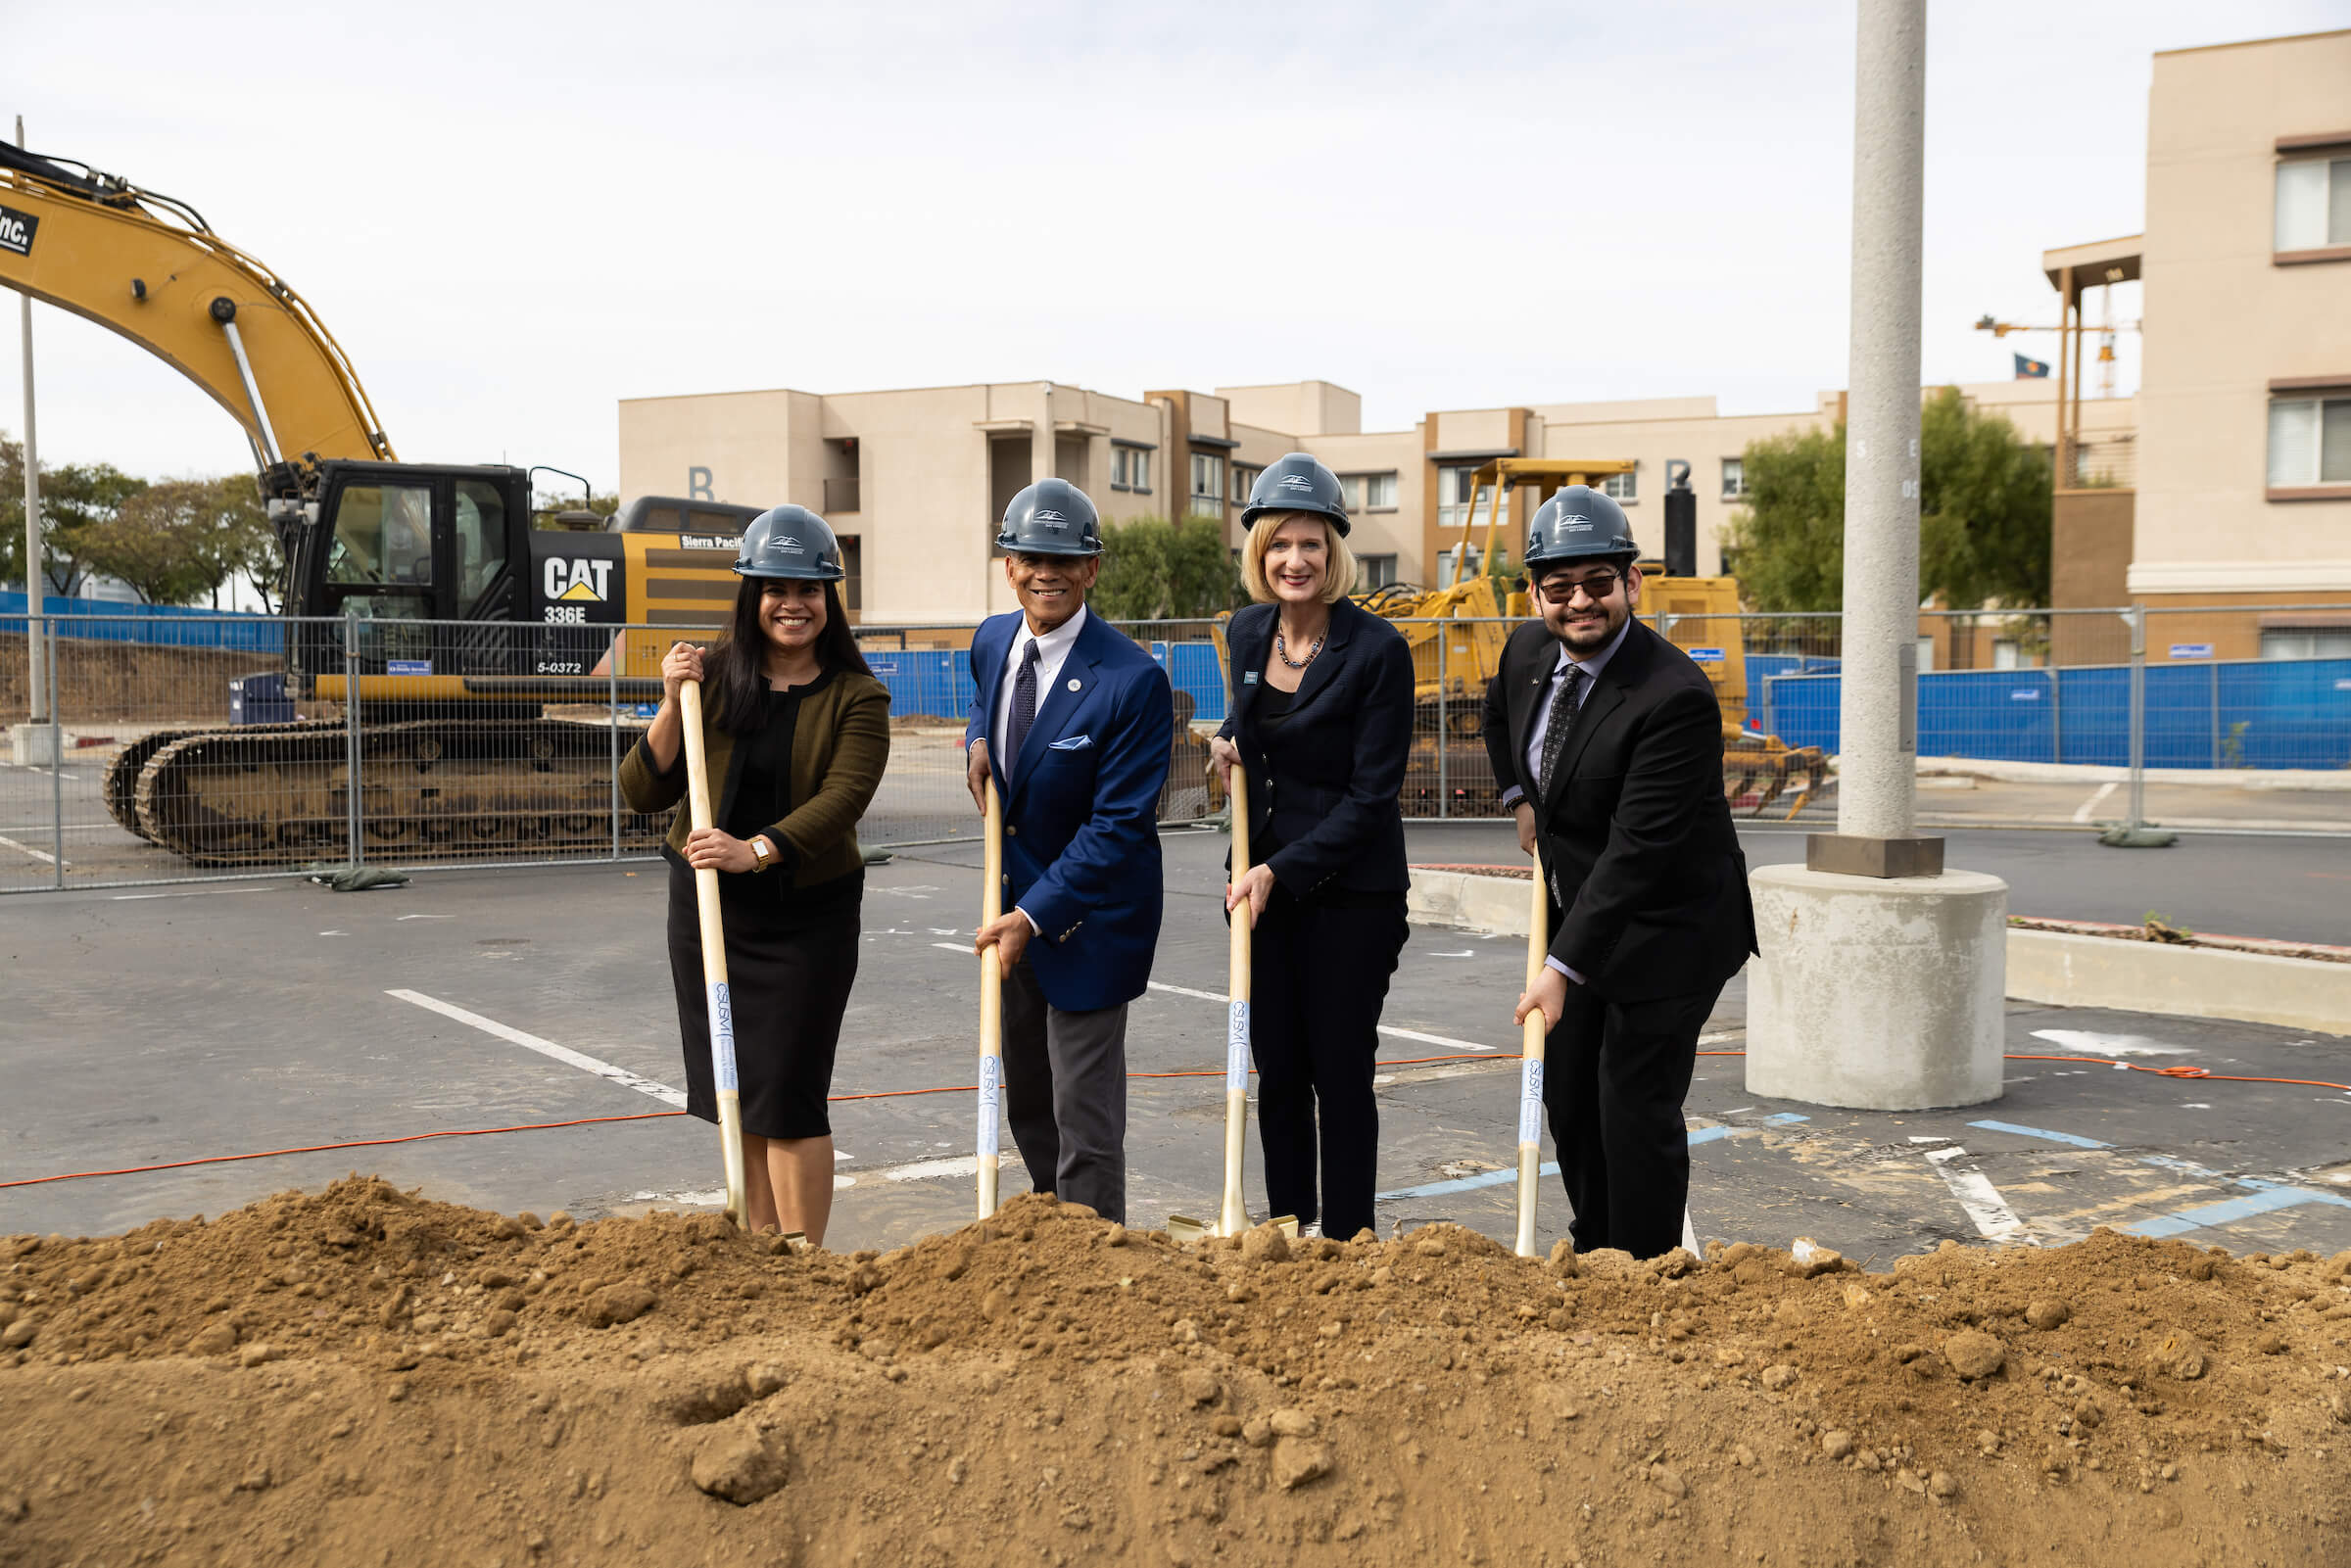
x: 969, y: 1088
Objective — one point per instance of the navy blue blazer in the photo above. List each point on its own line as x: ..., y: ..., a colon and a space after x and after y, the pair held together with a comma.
x: 1082, y: 809
x: 1349, y: 734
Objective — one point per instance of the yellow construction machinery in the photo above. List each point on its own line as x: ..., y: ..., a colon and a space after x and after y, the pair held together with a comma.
x: 1472, y: 616
x: 458, y: 752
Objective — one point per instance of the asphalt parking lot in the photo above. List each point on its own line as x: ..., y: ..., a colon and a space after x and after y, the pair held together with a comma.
x: 165, y: 1024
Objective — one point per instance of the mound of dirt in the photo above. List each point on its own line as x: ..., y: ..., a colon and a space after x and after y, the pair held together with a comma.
x: 358, y: 1376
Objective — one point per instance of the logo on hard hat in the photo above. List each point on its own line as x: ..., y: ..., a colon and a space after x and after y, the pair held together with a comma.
x: 1577, y: 524
x: 1053, y: 520
x: 1297, y: 482
x: 782, y: 541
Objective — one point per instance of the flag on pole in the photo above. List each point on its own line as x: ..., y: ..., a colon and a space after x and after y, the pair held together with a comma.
x: 2031, y: 369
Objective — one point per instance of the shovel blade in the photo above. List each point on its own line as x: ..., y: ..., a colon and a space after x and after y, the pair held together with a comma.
x: 1184, y: 1228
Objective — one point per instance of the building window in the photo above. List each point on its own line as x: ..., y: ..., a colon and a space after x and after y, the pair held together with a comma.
x: 1208, y: 484
x: 1734, y: 478
x: 1373, y: 571
x: 1454, y: 496
x: 2306, y: 643
x: 2314, y: 205
x: 1375, y: 493
x: 1129, y: 468
x: 1244, y: 481
x: 1623, y: 489
x: 2310, y: 441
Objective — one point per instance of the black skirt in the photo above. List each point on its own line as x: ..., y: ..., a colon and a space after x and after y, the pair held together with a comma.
x: 791, y: 957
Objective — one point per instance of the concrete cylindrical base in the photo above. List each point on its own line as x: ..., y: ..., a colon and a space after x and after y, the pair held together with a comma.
x: 32, y: 746
x: 1883, y: 994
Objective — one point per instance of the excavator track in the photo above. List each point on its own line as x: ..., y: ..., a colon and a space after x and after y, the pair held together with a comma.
x: 429, y: 789
x: 122, y: 774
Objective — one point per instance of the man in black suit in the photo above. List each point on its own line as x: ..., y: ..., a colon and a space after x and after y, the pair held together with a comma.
x: 1608, y: 743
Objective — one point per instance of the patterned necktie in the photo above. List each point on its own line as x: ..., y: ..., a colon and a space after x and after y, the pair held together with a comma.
x: 1565, y: 707
x: 1023, y: 707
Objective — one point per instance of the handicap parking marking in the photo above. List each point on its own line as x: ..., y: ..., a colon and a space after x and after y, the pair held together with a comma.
x: 2268, y: 1197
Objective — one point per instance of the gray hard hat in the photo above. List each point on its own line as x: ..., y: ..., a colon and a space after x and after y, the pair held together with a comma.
x: 1051, y: 517
x: 1578, y: 524
x: 1298, y: 483
x: 790, y: 542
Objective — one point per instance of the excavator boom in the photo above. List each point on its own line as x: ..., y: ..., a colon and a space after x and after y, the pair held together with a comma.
x: 152, y: 269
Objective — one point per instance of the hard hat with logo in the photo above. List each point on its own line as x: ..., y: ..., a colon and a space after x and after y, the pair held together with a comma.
x: 1578, y: 524
x: 1051, y: 517
x: 790, y: 542
x: 1298, y: 483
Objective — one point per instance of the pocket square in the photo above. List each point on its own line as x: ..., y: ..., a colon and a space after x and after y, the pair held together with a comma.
x: 1076, y: 742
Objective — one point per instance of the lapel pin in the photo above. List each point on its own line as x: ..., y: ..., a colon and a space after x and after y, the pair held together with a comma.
x: 1077, y: 685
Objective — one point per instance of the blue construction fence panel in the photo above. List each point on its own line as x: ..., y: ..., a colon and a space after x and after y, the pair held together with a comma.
x: 2252, y: 713
x: 938, y: 682
x: 155, y: 625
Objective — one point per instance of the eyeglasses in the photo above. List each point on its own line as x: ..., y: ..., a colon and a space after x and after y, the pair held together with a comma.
x: 1599, y: 586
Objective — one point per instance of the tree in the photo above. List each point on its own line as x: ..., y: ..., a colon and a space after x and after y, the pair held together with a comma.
x: 1983, y: 514
x: 1155, y: 570
x: 178, y: 542
x: 73, y: 499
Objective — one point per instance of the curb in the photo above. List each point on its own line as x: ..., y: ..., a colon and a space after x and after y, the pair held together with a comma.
x: 2321, y: 780
x: 2053, y: 967
x: 2200, y: 982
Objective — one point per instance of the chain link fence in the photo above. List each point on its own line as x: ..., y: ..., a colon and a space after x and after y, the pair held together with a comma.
x: 191, y: 746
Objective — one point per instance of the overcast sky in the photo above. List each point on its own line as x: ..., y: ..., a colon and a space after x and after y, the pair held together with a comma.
x: 514, y: 215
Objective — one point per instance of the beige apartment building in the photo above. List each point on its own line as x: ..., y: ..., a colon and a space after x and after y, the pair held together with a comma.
x: 2242, y: 494
x: 915, y: 480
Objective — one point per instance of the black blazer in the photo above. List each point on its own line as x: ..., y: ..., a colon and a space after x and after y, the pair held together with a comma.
x: 1635, y: 834
x: 1348, y: 732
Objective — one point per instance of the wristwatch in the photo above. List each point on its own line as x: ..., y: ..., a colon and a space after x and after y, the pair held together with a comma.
x: 763, y: 857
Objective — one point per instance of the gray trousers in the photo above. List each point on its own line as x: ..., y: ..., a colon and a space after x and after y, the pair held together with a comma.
x: 1065, y: 1095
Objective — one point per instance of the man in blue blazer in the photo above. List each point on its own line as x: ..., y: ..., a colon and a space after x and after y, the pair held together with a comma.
x: 1075, y: 722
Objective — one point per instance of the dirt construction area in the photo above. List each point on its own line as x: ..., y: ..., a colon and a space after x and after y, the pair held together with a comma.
x: 2105, y: 1319
x: 363, y: 1376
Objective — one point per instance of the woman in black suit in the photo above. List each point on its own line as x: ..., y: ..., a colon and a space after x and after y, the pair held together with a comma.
x: 1322, y: 717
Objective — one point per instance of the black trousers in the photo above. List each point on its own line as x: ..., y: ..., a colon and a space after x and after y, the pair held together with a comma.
x: 1065, y: 1095
x: 1319, y: 974
x: 1615, y: 1075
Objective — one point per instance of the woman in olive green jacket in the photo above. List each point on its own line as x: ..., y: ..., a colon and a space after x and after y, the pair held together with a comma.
x: 795, y: 730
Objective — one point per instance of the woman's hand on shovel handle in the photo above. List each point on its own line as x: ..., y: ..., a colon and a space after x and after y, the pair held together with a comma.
x: 716, y: 849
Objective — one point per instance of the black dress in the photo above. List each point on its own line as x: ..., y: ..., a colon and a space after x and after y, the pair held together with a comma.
x: 791, y: 952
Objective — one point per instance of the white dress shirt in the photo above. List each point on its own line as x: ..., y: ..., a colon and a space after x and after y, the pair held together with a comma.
x: 1052, y: 652
x: 1535, y: 732
x: 1551, y: 688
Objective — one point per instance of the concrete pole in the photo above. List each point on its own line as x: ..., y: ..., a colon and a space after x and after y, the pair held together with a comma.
x: 1882, y: 973
x: 1877, y: 778
x: 36, y: 684
x: 1040, y: 447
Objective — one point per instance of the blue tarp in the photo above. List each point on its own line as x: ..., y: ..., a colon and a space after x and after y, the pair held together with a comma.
x: 939, y: 681
x: 2249, y: 713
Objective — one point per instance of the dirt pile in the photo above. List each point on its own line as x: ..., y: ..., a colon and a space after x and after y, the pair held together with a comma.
x: 358, y: 1376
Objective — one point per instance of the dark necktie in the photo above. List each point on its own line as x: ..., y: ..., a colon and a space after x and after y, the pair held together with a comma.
x: 1023, y: 707
x: 1564, y: 710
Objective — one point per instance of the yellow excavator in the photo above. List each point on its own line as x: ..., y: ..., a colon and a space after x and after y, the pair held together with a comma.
x: 457, y: 751
x: 1474, y: 614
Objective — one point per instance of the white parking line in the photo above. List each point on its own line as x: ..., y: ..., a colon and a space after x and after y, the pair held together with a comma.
x: 1221, y: 999
x: 37, y: 854
x: 547, y: 1048
x: 2083, y: 811
x: 1993, y: 1218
